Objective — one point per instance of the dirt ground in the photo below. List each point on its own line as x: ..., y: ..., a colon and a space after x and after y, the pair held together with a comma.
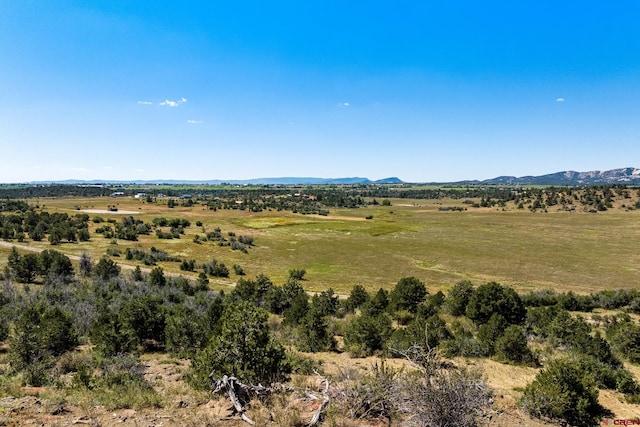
x: 106, y: 211
x: 181, y: 405
x: 184, y: 407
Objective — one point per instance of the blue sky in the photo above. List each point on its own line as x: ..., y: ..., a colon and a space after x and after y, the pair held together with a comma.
x: 426, y: 91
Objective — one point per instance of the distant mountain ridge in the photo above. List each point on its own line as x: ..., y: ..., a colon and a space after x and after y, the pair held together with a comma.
x: 614, y: 176
x: 627, y: 175
x: 256, y: 181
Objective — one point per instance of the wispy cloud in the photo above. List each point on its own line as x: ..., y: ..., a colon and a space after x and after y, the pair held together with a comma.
x: 170, y: 103
x: 343, y: 105
x: 139, y: 170
x: 559, y: 99
x: 194, y: 122
x: 145, y: 103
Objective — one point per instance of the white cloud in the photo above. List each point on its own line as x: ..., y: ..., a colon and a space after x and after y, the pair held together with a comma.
x: 145, y: 103
x: 559, y: 99
x: 107, y: 167
x: 139, y: 170
x: 170, y: 103
x: 343, y: 104
x: 194, y: 122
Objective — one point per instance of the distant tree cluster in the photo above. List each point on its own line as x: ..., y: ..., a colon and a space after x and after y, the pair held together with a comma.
x: 29, y: 191
x: 318, y: 199
x: 56, y: 227
x: 151, y: 257
x: 129, y: 228
x: 48, y: 263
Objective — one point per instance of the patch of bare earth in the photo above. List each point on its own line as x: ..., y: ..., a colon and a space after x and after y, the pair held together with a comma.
x: 337, y: 217
x: 182, y: 406
x: 106, y: 211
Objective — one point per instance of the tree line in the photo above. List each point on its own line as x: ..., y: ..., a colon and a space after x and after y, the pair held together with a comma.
x: 319, y: 199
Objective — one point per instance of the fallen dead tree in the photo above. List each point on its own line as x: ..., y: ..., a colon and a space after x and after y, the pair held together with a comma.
x: 241, y: 395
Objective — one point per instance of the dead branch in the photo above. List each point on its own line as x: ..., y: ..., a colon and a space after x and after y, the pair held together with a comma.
x: 239, y: 394
x: 323, y: 406
x: 310, y: 395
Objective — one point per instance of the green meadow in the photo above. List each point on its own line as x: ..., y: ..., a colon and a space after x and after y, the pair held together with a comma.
x: 582, y: 252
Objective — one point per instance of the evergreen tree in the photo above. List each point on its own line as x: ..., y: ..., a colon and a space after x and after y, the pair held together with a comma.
x: 564, y: 392
x: 357, y: 298
x: 156, y: 277
x: 458, y: 297
x: 245, y: 349
x: 408, y: 294
x: 494, y: 298
x: 106, y: 268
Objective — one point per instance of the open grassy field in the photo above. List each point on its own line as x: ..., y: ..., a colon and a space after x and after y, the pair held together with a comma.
x: 560, y: 250
x: 582, y: 252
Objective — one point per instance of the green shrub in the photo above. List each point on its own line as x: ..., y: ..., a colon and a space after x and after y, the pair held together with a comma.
x: 184, y: 333
x: 489, y: 333
x: 112, y: 336
x: 512, y: 347
x: 314, y: 333
x: 624, y: 335
x: 458, y: 297
x: 39, y: 334
x: 106, y: 269
x: 238, y: 270
x: 564, y: 392
x: 301, y: 364
x: 403, y: 317
x: 357, y: 298
x: 245, y: 348
x: 367, y: 334
x: 297, y: 274
x: 494, y: 298
x: 431, y: 331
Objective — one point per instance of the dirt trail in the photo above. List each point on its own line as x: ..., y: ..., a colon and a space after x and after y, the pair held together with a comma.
x: 32, y: 249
